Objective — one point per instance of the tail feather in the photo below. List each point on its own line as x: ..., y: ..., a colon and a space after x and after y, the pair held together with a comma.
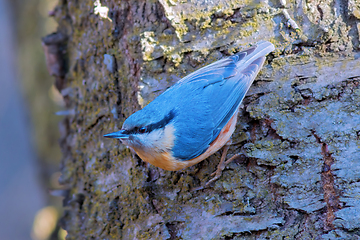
x: 261, y: 49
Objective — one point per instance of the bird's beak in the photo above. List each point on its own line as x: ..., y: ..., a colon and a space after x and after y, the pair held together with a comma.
x: 120, y: 134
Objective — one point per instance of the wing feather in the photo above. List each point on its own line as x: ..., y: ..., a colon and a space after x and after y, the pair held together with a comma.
x: 210, y: 96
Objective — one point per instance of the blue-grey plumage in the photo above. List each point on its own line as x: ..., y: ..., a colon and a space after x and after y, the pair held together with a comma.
x: 189, y: 117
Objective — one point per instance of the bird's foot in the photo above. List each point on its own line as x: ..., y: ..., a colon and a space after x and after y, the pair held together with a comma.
x: 220, y: 168
x: 217, y: 174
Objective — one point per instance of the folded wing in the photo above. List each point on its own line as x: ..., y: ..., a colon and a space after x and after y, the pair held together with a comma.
x: 210, y: 97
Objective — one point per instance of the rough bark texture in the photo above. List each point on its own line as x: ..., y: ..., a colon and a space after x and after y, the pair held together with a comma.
x: 298, y: 130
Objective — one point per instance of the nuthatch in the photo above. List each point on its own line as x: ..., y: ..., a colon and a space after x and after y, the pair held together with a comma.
x: 196, y: 117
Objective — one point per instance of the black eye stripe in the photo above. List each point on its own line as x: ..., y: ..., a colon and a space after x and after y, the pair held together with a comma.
x: 160, y: 124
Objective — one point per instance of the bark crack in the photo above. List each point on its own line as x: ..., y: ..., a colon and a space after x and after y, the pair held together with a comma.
x: 330, y: 194
x: 97, y: 120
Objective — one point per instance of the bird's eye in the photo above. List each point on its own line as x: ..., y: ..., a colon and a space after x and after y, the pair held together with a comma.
x: 142, y: 130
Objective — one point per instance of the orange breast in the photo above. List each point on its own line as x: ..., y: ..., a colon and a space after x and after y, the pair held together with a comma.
x: 165, y: 160
x: 162, y: 160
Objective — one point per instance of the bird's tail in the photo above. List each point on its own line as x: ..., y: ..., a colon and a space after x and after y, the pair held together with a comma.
x: 255, y: 55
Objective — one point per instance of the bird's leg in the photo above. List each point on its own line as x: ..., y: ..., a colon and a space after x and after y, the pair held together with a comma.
x: 222, y: 164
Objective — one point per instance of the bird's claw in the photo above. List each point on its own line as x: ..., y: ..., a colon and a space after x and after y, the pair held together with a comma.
x: 219, y: 170
x: 217, y: 176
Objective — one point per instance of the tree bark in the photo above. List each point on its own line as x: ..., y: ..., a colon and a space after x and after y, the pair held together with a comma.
x: 298, y: 129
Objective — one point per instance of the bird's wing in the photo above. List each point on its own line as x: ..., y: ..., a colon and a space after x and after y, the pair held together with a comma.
x: 230, y: 93
x: 210, y: 97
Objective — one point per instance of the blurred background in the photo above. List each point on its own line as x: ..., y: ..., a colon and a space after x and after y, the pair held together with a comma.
x: 29, y: 151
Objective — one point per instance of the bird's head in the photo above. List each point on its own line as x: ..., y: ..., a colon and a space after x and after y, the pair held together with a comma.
x: 147, y: 131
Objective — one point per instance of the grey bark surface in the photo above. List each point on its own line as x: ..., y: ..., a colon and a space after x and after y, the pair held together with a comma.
x: 298, y: 129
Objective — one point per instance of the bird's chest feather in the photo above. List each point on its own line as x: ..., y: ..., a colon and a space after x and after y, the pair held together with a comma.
x: 163, y: 160
x: 157, y: 151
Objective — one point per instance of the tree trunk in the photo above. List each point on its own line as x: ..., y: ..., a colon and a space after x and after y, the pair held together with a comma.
x: 298, y: 128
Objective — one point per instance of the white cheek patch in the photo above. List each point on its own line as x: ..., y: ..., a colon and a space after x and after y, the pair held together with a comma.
x: 159, y: 140
x: 153, y: 139
x: 169, y: 137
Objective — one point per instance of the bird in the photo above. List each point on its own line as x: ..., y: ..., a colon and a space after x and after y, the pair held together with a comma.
x: 195, y: 117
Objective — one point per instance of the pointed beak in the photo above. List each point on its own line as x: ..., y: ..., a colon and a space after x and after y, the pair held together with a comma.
x: 120, y: 134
